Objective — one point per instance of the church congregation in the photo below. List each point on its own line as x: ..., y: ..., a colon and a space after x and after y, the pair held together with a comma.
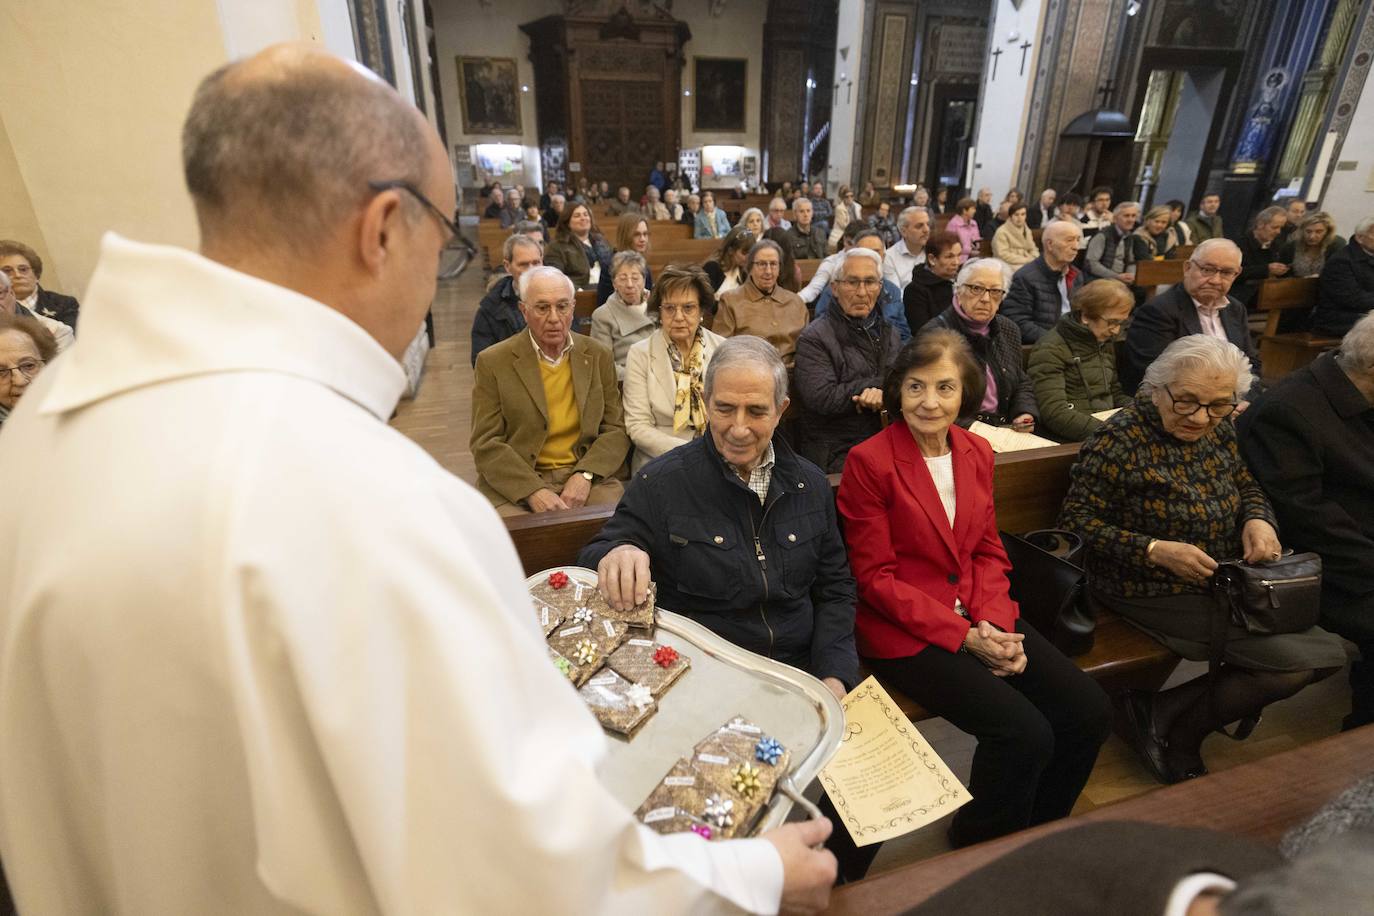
x: 875, y: 341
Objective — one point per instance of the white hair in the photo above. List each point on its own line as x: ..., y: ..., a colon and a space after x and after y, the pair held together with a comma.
x: 973, y: 264
x: 868, y: 254
x: 1364, y: 225
x: 1207, y: 245
x: 744, y: 217
x: 1126, y: 205
x: 799, y: 201
x: 752, y: 352
x: 535, y: 273
x: 904, y: 218
x: 1199, y: 352
x: 1357, y: 347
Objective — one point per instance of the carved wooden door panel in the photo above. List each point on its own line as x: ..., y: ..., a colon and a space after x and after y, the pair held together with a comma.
x: 621, y: 127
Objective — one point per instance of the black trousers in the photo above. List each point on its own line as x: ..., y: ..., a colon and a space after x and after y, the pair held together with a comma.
x: 1038, y: 732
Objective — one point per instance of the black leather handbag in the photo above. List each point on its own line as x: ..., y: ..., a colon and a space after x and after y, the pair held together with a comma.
x: 1283, y: 596
x: 1048, y: 582
x: 1279, y: 597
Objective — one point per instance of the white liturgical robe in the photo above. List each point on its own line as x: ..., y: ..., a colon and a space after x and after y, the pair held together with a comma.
x: 260, y: 654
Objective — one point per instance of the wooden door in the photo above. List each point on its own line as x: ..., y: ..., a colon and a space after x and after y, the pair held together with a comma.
x: 620, y: 130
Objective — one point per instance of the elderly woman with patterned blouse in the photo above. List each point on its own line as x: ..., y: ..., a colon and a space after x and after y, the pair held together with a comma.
x: 664, y: 371
x: 1160, y: 495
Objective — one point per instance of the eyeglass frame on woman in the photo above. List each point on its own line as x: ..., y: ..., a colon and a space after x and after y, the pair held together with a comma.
x: 34, y: 366
x: 994, y: 293
x: 1175, y: 402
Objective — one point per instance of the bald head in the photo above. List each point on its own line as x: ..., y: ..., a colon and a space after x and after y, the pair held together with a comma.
x: 280, y: 153
x: 278, y: 149
x: 1059, y: 241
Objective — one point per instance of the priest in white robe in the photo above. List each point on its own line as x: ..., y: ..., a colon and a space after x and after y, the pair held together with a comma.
x: 259, y: 653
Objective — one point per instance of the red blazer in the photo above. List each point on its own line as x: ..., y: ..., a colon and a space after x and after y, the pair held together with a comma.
x: 908, y: 565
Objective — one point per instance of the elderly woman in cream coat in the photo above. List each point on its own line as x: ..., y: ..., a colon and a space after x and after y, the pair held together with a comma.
x: 664, y: 403
x: 623, y: 320
x: 1013, y: 241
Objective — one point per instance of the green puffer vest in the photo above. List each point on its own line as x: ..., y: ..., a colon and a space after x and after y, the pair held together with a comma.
x: 1074, y: 377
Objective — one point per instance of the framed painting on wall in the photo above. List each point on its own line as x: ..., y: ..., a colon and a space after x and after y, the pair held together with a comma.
x: 490, y: 92
x: 721, y: 84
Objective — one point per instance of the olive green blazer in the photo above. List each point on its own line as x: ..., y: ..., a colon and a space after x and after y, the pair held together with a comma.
x: 510, y: 416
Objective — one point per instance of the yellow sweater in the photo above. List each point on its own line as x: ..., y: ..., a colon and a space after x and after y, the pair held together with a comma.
x: 565, y: 424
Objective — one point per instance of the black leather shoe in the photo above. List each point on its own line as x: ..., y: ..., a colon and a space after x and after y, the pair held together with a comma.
x: 1139, y: 708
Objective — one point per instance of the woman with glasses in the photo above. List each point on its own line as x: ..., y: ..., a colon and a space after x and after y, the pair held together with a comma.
x: 935, y: 617
x: 1008, y: 399
x: 1073, y: 367
x: 762, y: 306
x: 631, y: 234
x: 1160, y: 495
x: 664, y: 372
x: 25, y: 347
x: 623, y: 320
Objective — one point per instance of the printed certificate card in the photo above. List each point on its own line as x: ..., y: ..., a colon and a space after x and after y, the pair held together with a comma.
x: 885, y: 780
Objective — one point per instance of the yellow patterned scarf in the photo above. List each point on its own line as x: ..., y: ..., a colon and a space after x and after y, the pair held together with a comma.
x: 689, y: 404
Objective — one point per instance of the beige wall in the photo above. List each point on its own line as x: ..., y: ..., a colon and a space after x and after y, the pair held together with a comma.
x: 17, y: 219
x: 94, y: 96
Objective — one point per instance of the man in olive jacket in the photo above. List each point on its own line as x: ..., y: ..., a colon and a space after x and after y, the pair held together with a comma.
x: 547, y: 427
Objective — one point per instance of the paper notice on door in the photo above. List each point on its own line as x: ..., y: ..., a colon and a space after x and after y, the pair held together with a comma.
x: 1006, y: 439
x: 1105, y: 415
x: 886, y: 780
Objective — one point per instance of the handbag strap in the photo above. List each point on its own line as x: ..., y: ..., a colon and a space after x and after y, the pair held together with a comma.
x: 1223, y: 613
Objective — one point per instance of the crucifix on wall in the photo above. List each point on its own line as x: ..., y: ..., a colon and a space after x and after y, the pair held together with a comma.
x: 1024, y: 48
x: 995, y: 55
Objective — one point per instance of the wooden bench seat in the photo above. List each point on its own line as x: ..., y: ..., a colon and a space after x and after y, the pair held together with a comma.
x: 1281, y: 353
x: 1121, y: 656
x: 1028, y: 489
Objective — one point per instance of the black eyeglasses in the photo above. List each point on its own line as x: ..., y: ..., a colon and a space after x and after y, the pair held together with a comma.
x: 1187, y: 408
x: 452, y: 257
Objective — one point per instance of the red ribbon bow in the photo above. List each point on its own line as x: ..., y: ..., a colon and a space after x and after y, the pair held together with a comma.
x: 558, y: 579
x: 665, y: 656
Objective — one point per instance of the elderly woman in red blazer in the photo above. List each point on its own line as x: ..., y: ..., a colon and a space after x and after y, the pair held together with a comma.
x: 935, y: 619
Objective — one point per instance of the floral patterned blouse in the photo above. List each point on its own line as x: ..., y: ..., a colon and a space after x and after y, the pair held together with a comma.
x: 1134, y: 483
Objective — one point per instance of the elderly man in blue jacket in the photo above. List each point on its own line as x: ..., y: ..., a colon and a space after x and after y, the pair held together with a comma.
x: 739, y: 533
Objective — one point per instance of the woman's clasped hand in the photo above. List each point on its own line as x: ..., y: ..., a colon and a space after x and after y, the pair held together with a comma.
x: 1001, y: 652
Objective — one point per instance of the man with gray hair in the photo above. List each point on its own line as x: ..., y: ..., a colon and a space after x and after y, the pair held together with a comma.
x: 547, y: 428
x: 1201, y: 304
x: 297, y: 672
x: 498, y: 314
x: 1112, y: 252
x: 913, y: 224
x: 842, y: 359
x: 738, y: 532
x: 1345, y: 292
x: 1310, y: 442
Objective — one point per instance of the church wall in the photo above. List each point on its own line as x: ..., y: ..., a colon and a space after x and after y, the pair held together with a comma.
x: 468, y: 28
x: 481, y: 28
x: 844, y: 111
x: 1349, y: 196
x: 93, y: 109
x: 738, y: 32
x: 94, y: 106
x: 21, y: 222
x: 1006, y: 96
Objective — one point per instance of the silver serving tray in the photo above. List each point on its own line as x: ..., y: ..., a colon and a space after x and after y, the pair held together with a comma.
x: 723, y: 681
